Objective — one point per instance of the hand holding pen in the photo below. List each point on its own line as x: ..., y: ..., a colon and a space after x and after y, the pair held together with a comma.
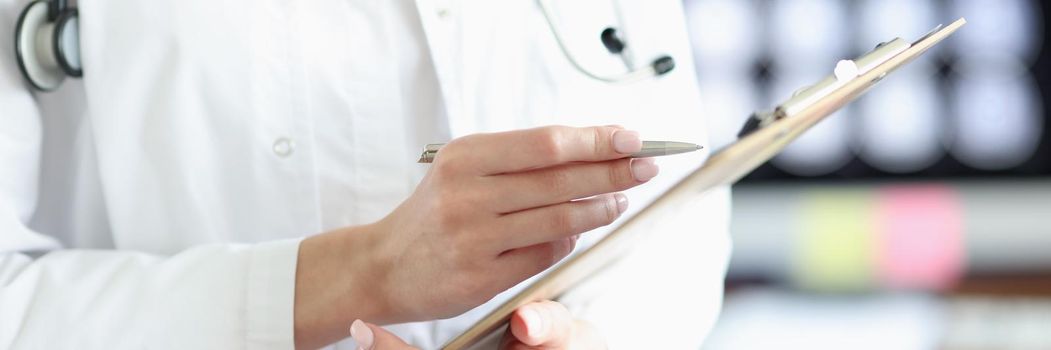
x: 495, y: 209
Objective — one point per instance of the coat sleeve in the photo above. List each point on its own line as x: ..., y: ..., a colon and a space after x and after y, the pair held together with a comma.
x: 219, y: 296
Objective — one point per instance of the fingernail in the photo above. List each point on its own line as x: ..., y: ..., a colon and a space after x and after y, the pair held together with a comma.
x: 644, y: 169
x: 626, y: 141
x: 622, y: 202
x: 534, y: 324
x: 362, y: 334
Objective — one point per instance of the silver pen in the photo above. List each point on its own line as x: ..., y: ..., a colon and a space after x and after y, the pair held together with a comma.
x: 649, y: 149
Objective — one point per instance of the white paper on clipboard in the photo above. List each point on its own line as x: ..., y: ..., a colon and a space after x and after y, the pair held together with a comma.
x: 784, y: 124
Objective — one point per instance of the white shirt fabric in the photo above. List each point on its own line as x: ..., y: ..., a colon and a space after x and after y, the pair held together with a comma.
x: 159, y: 202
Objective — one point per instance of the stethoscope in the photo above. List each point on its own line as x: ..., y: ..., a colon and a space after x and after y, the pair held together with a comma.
x: 47, y: 46
x: 47, y: 43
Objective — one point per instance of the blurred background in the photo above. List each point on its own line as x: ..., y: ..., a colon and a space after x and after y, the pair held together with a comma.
x: 918, y: 217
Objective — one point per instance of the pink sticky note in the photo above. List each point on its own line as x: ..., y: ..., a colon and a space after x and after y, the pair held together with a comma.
x: 919, y: 237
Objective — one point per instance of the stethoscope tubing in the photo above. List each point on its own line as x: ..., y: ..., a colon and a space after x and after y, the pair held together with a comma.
x: 60, y: 13
x: 636, y: 74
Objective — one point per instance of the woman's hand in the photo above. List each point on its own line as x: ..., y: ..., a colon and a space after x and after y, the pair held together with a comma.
x: 543, y: 325
x: 496, y: 209
x: 492, y: 211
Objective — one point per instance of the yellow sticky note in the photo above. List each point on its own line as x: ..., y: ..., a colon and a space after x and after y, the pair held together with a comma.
x: 834, y: 245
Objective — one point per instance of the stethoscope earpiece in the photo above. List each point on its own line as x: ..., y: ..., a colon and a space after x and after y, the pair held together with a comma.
x: 616, y: 45
x: 47, y: 44
x: 612, y: 41
x: 663, y: 65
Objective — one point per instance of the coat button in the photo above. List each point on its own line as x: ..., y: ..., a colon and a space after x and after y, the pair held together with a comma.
x: 284, y: 147
x: 443, y: 13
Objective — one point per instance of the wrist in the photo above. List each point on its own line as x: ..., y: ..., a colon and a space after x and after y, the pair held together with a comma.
x: 338, y: 279
x: 366, y: 268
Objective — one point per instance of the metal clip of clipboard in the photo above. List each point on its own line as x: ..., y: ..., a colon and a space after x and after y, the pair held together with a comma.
x: 725, y: 166
x: 845, y: 71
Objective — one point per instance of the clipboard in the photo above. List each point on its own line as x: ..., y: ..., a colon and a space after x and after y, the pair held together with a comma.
x: 764, y: 136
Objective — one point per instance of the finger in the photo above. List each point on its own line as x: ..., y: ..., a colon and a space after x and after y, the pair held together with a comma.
x: 519, y: 264
x: 520, y: 150
x: 544, y: 324
x: 583, y: 336
x: 537, y: 188
x: 372, y: 337
x: 534, y: 226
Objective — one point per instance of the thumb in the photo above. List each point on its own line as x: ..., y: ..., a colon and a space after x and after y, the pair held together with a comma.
x: 373, y: 337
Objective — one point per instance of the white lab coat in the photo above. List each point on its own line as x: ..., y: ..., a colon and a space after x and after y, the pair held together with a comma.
x: 159, y: 202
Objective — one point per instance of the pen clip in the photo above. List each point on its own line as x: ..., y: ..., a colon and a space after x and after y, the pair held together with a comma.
x: 429, y: 152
